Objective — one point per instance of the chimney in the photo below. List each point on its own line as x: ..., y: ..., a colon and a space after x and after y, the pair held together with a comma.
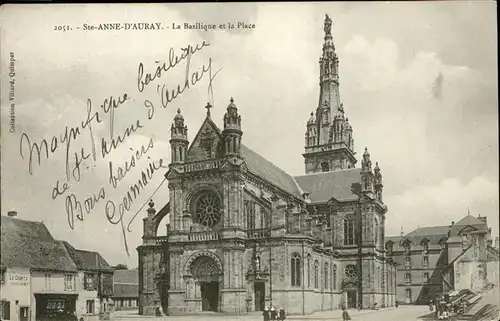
x: 482, y: 218
x: 12, y: 213
x: 402, y: 233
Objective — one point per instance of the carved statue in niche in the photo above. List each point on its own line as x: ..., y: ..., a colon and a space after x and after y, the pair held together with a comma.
x: 257, y: 262
x: 190, y: 291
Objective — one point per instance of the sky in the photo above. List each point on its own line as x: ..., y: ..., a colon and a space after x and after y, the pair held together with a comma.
x: 419, y: 84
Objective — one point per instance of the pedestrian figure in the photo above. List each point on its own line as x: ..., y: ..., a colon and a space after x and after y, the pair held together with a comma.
x: 265, y: 314
x: 397, y: 304
x: 273, y: 313
x: 282, y: 315
x: 345, y: 315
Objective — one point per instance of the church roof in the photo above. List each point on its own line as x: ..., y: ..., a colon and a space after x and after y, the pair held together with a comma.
x: 337, y: 184
x: 267, y: 170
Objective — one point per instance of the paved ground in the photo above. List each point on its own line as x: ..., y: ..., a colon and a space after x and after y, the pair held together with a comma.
x: 403, y: 313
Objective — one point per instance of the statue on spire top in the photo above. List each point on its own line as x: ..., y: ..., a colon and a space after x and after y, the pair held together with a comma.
x: 328, y: 25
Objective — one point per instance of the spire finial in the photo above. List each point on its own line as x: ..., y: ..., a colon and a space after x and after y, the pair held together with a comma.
x: 231, y: 100
x: 328, y: 25
x: 208, y: 106
x: 312, y: 113
x: 178, y: 110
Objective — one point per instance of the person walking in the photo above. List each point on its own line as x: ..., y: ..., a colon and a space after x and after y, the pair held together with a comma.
x: 265, y: 314
x: 273, y: 313
x: 345, y: 315
x: 282, y: 315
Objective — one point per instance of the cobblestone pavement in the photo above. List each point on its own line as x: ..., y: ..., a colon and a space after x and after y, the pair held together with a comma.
x: 403, y: 313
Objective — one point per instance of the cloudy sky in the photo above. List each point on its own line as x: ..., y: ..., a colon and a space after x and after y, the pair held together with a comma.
x: 418, y: 82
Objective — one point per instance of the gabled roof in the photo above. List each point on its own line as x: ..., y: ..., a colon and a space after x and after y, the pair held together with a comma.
x: 337, y: 184
x: 255, y: 163
x: 29, y: 244
x: 87, y: 260
x: 470, y: 220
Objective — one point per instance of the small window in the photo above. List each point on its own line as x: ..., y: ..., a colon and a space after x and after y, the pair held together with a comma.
x: 3, y: 276
x: 70, y: 282
x: 407, y: 261
x: 426, y: 277
x: 295, y: 267
x: 90, y: 306
x: 5, y: 310
x: 426, y: 261
x: 407, y: 278
x: 48, y: 282
x: 89, y: 281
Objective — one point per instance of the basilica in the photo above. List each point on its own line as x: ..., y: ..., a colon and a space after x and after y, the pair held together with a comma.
x: 244, y: 234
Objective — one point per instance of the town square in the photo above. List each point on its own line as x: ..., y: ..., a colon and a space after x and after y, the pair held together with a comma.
x: 317, y: 162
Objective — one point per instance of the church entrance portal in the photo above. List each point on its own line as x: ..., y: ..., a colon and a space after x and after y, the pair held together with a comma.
x: 260, y: 295
x: 207, y: 273
x: 351, y: 298
x: 209, y: 296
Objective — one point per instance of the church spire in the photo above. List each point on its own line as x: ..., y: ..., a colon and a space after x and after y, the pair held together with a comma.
x: 329, y: 142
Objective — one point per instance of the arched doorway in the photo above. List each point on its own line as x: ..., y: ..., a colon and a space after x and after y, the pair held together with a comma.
x: 206, y: 273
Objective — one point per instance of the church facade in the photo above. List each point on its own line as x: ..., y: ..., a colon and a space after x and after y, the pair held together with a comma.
x: 244, y: 234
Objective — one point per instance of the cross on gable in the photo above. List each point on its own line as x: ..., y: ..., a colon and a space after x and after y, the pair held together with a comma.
x: 208, y: 106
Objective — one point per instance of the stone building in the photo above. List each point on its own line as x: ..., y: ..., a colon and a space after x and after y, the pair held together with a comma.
x: 244, y: 234
x: 438, y: 259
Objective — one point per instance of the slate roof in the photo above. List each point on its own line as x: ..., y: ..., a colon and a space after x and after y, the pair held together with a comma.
x: 267, y: 170
x: 126, y: 284
x: 323, y: 186
x: 87, y: 260
x: 30, y: 244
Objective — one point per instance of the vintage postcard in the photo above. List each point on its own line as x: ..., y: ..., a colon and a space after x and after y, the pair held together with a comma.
x: 254, y: 161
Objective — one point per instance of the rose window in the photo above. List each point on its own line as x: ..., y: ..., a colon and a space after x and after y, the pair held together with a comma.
x: 207, y: 209
x: 351, y: 271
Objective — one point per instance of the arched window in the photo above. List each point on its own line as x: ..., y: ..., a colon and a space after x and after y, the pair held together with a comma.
x: 326, y: 273
x: 316, y: 274
x: 309, y: 270
x: 407, y: 261
x: 334, y: 277
x: 250, y: 213
x: 376, y: 231
x: 349, y: 236
x: 408, y: 278
x: 425, y: 245
x: 295, y: 268
x: 325, y: 167
x: 389, y: 246
x: 406, y: 246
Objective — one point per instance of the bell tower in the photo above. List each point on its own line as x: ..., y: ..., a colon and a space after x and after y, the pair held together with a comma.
x: 329, y: 143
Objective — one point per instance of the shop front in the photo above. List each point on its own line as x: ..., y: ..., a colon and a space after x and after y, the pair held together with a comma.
x: 54, y: 307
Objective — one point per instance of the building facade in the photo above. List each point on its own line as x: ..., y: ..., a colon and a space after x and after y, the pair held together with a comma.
x: 126, y: 289
x: 94, y: 283
x: 44, y: 279
x: 245, y: 234
x: 435, y: 260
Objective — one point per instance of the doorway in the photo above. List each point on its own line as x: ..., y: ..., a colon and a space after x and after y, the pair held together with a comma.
x: 209, y: 296
x: 24, y: 313
x: 352, y: 299
x: 259, y: 295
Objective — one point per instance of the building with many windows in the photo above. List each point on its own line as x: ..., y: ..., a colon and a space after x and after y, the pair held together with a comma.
x: 244, y: 234
x: 126, y: 289
x: 95, y: 282
x: 438, y: 259
x: 43, y: 278
x: 39, y: 276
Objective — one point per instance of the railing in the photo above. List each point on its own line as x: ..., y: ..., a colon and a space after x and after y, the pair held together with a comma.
x: 161, y: 239
x: 258, y: 233
x: 203, y: 236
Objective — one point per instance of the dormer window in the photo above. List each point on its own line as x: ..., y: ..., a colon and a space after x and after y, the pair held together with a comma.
x: 406, y: 246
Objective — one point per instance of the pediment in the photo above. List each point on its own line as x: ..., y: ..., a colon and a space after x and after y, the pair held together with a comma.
x: 173, y: 172
x: 206, y: 144
x: 467, y: 229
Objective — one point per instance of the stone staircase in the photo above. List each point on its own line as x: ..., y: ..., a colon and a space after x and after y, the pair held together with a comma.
x: 486, y: 307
